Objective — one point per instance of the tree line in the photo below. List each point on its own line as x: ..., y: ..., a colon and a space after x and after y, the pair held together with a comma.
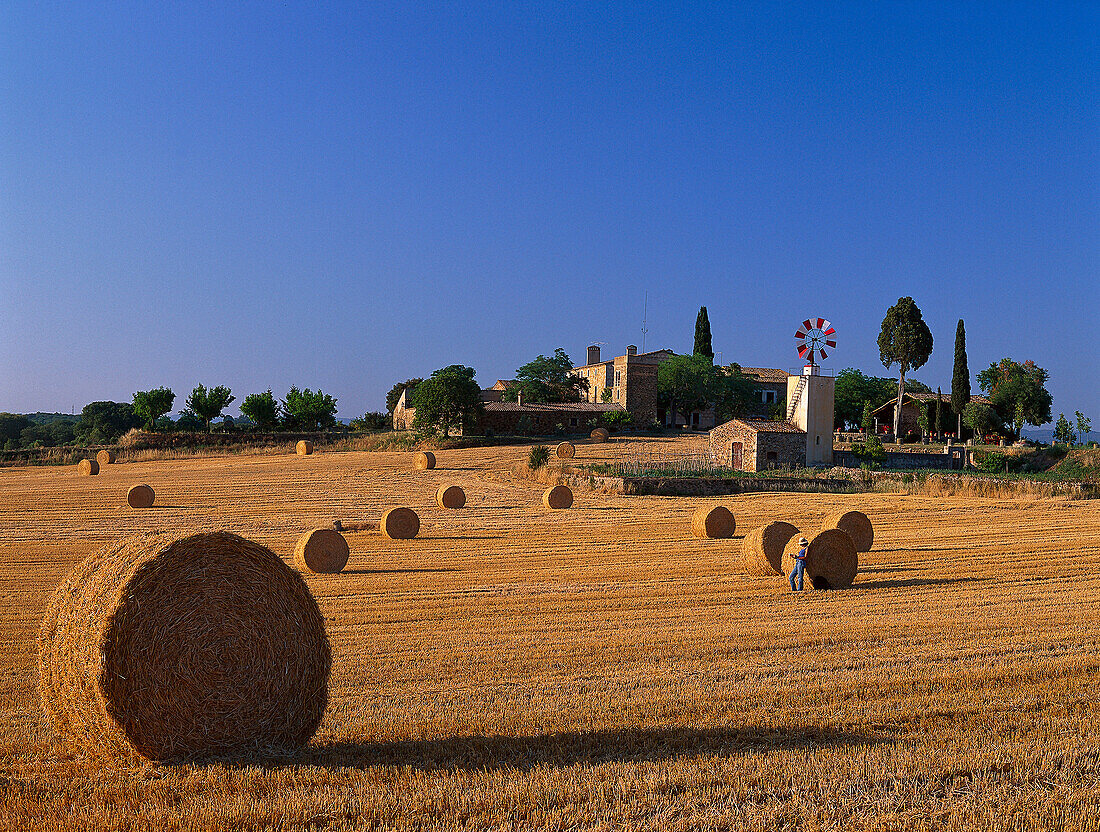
x: 103, y: 422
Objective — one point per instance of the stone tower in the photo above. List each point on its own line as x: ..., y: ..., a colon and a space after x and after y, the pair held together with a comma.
x: 810, y: 402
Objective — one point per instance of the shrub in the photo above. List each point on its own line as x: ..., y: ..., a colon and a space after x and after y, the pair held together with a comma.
x: 538, y: 457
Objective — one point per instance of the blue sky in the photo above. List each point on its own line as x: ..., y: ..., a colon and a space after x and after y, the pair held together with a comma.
x: 345, y: 195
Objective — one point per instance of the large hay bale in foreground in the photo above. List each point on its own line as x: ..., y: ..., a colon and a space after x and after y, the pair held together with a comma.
x: 560, y: 496
x: 425, y: 461
x: 400, y: 523
x: 87, y: 467
x: 140, y: 496
x: 600, y: 435
x: 858, y: 526
x: 105, y: 457
x: 713, y: 522
x: 176, y: 646
x: 304, y: 447
x: 324, y: 551
x: 762, y: 548
x: 450, y: 496
x: 831, y: 560
x: 566, y: 450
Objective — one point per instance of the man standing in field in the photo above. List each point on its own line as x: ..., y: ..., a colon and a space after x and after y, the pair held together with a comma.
x: 799, y: 565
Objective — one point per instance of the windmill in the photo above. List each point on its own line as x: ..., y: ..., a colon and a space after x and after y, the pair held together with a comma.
x: 815, y: 335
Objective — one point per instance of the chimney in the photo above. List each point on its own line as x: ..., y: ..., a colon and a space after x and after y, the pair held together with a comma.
x: 593, y: 355
x: 519, y: 398
x: 631, y: 350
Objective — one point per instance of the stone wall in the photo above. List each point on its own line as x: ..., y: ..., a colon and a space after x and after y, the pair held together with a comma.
x: 789, y: 447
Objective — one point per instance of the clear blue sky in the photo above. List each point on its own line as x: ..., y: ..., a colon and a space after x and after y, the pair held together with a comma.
x: 345, y: 195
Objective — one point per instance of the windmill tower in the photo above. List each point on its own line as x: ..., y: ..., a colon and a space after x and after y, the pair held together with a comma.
x: 811, y: 395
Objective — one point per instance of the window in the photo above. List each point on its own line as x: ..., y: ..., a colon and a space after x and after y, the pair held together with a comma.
x: 818, y: 441
x: 573, y: 422
x: 767, y: 396
x: 617, y: 378
x: 695, y: 419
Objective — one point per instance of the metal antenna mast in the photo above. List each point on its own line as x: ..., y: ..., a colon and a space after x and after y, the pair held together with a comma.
x: 645, y: 309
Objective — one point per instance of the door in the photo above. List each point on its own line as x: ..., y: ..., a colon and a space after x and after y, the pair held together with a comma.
x: 735, y: 455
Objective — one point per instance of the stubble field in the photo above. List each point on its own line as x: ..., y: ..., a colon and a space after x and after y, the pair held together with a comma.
x: 518, y: 668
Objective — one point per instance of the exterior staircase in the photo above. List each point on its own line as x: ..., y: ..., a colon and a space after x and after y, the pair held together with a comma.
x: 792, y: 405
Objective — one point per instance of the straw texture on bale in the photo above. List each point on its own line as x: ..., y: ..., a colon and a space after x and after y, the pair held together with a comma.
x: 713, y: 522
x: 831, y: 560
x: 172, y: 646
x: 140, y: 496
x: 88, y: 467
x: 105, y: 457
x: 858, y: 526
x: 400, y: 523
x: 560, y: 496
x: 425, y: 460
x: 566, y: 450
x: 762, y: 548
x: 600, y: 435
x: 450, y: 496
x: 321, y: 550
x: 304, y: 447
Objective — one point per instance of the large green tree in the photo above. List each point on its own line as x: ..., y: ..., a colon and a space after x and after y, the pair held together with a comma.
x: 209, y: 404
x: 853, y: 391
x: 735, y: 393
x: 686, y: 383
x: 261, y: 409
x: 1017, y: 392
x: 1084, y: 425
x: 547, y: 379
x: 448, y: 399
x: 394, y: 396
x: 150, y: 405
x: 1063, y: 432
x: 702, y: 334
x: 309, y: 410
x: 904, y: 340
x: 960, y: 378
x: 104, y: 422
x: 12, y: 426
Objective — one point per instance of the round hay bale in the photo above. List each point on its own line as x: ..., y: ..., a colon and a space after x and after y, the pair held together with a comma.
x: 87, y: 467
x: 172, y: 646
x: 321, y: 550
x: 713, y: 522
x: 105, y: 457
x: 857, y: 525
x: 450, y: 496
x: 600, y: 435
x: 140, y: 496
x: 566, y: 450
x: 304, y: 447
x: 831, y: 560
x: 425, y: 461
x: 400, y: 523
x: 560, y: 496
x: 762, y: 548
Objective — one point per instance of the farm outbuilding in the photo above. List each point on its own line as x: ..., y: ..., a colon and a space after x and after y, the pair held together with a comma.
x: 758, y: 444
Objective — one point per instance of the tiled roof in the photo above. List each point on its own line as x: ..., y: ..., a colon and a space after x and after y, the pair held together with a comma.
x: 765, y: 373
x: 554, y: 407
x: 766, y: 426
x: 944, y: 397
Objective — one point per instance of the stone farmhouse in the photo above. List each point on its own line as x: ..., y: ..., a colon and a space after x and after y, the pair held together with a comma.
x: 631, y: 380
x: 625, y: 383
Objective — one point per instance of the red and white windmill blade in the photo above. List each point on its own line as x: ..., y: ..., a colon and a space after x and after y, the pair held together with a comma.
x: 815, y: 334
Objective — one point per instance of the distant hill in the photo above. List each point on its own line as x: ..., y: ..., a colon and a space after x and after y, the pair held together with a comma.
x: 50, y: 418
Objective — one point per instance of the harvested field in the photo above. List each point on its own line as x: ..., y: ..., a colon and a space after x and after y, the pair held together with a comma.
x: 513, y: 667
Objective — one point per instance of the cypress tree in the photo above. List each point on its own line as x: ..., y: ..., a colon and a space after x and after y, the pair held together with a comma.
x: 960, y: 378
x: 702, y: 334
x: 939, y: 411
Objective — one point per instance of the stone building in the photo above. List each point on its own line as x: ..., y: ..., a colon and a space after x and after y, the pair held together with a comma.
x: 758, y: 444
x: 770, y: 392
x: 629, y: 380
